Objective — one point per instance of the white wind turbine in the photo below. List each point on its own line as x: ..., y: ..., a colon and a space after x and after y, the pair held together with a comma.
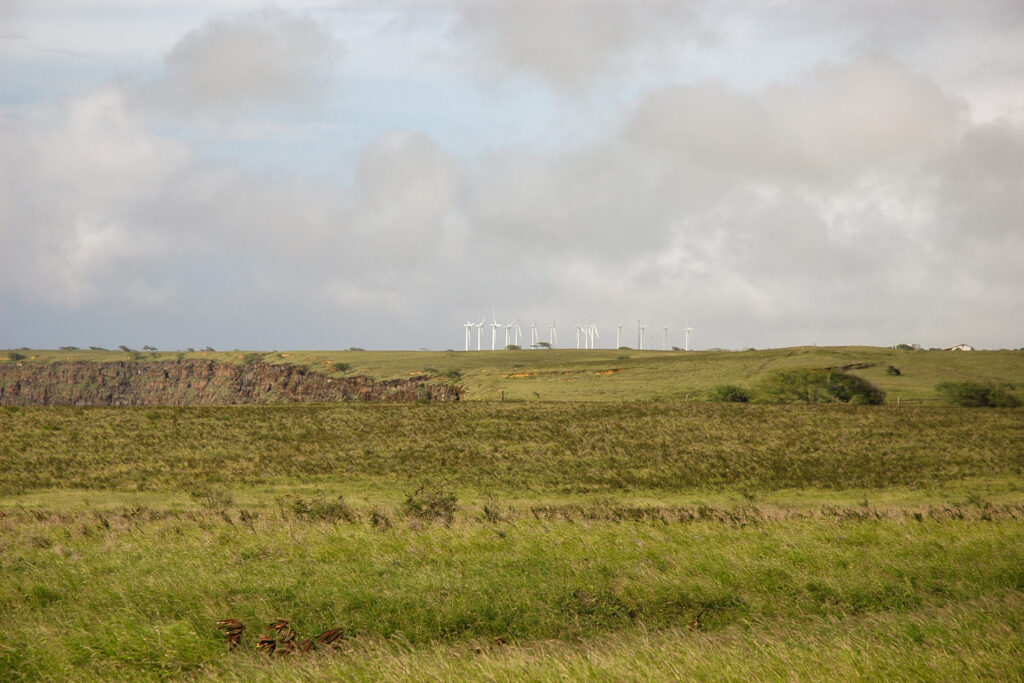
x: 579, y: 331
x: 517, y: 334
x: 593, y: 334
x: 508, y: 331
x: 534, y: 337
x: 687, y: 330
x: 664, y: 338
x: 552, y: 335
x: 469, y: 324
x: 643, y: 333
x: 479, y: 331
x: 494, y: 331
x: 618, y: 336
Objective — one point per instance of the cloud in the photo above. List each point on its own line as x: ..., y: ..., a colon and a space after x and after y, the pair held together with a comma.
x: 862, y: 201
x: 74, y: 173
x: 262, y: 58
x: 848, y: 119
x: 569, y: 43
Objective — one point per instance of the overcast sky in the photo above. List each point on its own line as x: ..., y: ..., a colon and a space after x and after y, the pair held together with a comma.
x: 375, y: 173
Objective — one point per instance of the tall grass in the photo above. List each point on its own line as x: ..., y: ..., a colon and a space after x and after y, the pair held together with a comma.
x: 141, y: 595
x: 560, y: 448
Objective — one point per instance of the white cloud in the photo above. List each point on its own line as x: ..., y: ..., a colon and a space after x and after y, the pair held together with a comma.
x: 267, y: 57
x: 569, y: 43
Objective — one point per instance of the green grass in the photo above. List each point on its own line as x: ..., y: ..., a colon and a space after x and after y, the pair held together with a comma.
x: 524, y: 540
x: 625, y: 375
x: 509, y: 449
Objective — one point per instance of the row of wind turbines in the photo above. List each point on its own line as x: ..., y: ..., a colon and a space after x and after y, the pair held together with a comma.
x: 587, y: 335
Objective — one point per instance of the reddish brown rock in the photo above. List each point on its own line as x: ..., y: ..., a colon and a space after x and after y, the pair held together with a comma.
x: 197, y: 382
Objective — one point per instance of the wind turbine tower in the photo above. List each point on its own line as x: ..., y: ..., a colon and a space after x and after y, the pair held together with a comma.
x: 469, y: 332
x: 593, y: 334
x: 534, y: 337
x: 664, y: 338
x: 687, y: 330
x: 618, y: 336
x: 552, y: 335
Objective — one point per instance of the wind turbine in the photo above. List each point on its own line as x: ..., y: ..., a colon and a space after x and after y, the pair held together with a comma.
x: 469, y: 332
x: 479, y: 331
x: 579, y: 330
x: 534, y: 338
x: 552, y: 335
x: 593, y: 334
x: 639, y: 336
x: 643, y: 333
x: 517, y: 333
x: 664, y: 338
x: 618, y: 336
x: 687, y: 330
x: 494, y: 331
x: 508, y: 329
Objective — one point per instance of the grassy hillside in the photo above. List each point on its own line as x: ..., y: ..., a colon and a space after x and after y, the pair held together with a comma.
x: 623, y: 375
x: 502, y: 541
x: 596, y: 524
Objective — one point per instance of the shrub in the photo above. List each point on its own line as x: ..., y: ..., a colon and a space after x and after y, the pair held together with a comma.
x: 212, y: 497
x: 251, y: 358
x: 892, y: 370
x: 822, y: 385
x: 431, y: 505
x: 453, y: 373
x: 341, y: 367
x: 14, y: 355
x: 977, y: 395
x: 319, y: 509
x: 728, y: 393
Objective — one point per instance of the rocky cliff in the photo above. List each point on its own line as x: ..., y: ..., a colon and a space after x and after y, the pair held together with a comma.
x: 196, y: 382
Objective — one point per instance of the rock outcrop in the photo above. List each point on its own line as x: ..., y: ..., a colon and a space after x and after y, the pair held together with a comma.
x: 196, y: 382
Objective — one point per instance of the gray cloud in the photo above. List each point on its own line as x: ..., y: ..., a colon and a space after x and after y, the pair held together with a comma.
x: 267, y: 57
x: 861, y: 202
x: 569, y: 43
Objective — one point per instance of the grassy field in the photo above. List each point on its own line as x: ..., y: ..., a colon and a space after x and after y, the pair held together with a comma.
x: 520, y: 540
x: 625, y: 375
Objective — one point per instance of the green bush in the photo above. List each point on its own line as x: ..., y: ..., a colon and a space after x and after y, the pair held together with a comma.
x: 978, y: 395
x: 341, y: 367
x: 431, y: 505
x: 14, y: 355
x: 728, y: 393
x: 892, y: 370
x: 318, y: 509
x: 821, y: 385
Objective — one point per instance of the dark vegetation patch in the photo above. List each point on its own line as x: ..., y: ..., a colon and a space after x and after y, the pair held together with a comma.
x: 825, y: 385
x: 979, y: 395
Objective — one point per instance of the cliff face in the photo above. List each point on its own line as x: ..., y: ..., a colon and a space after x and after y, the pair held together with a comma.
x: 195, y: 382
